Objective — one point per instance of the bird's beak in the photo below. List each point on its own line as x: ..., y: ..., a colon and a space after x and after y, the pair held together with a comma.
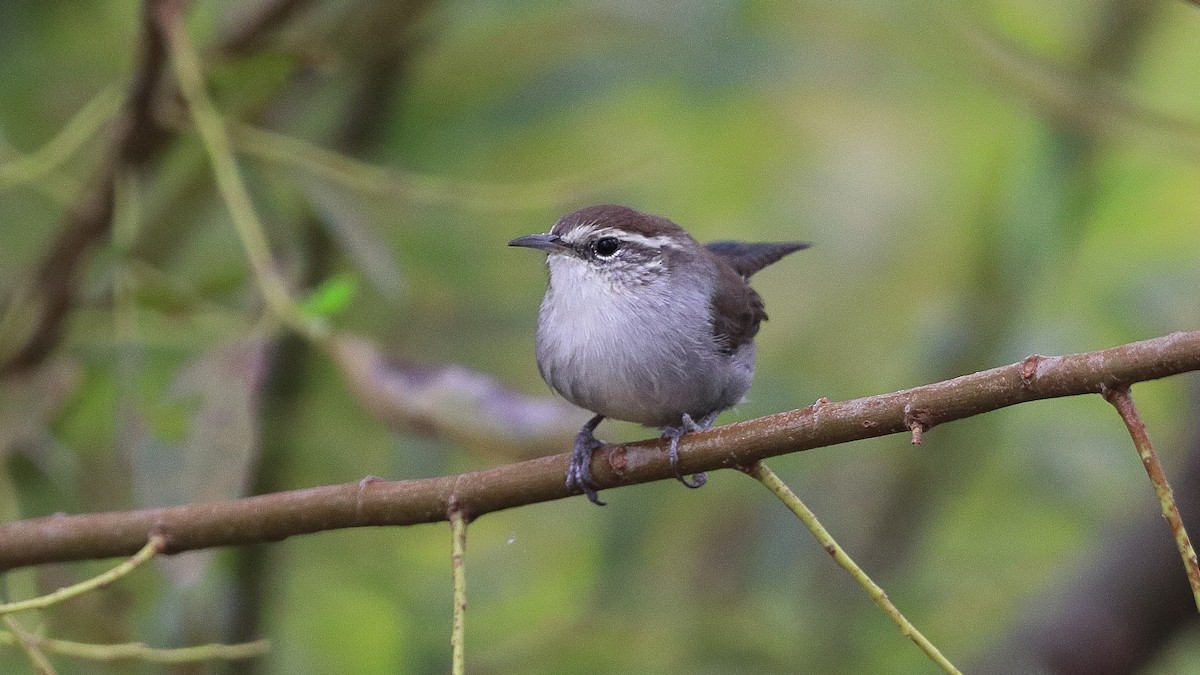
x: 549, y: 243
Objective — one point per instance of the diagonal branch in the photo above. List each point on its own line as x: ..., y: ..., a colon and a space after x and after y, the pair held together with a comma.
x: 256, y: 24
x: 280, y: 515
x: 1117, y: 606
x: 1122, y: 400
x: 763, y: 474
x: 151, y: 549
x: 137, y: 139
x: 28, y: 642
x: 233, y: 190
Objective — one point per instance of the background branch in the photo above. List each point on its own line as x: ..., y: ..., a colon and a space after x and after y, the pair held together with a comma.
x: 280, y: 515
x: 394, y: 146
x: 763, y: 474
x: 136, y: 651
x: 138, y: 137
x: 28, y: 643
x: 1123, y: 402
x: 1115, y: 605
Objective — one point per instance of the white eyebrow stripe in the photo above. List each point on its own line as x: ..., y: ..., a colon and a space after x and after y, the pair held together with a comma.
x: 587, y: 231
x: 579, y: 233
x: 659, y: 241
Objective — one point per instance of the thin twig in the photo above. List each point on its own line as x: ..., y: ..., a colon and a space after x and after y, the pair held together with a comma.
x: 272, y: 517
x: 29, y: 643
x: 390, y: 183
x: 484, y: 414
x: 1094, y: 104
x: 768, y: 478
x: 141, y: 652
x: 151, y: 549
x: 137, y: 135
x: 1121, y: 399
x: 213, y: 136
x: 260, y: 22
x: 30, y: 167
x: 458, y: 553
x: 137, y: 138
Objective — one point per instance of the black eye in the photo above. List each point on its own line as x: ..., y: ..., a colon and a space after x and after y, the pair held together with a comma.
x: 606, y: 246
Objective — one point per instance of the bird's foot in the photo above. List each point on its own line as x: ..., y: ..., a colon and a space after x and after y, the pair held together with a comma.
x: 686, y: 426
x: 579, y: 471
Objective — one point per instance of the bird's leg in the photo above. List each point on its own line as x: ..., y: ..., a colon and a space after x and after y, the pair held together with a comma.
x: 579, y: 471
x: 687, y: 425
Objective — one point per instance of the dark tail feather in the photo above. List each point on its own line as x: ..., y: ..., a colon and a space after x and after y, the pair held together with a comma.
x: 750, y: 258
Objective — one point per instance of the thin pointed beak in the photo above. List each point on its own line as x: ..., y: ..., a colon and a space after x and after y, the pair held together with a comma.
x: 549, y: 243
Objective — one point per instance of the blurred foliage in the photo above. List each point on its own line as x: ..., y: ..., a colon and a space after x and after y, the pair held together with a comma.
x: 981, y: 183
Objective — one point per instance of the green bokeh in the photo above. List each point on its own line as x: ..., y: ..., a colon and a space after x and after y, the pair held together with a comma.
x: 964, y: 212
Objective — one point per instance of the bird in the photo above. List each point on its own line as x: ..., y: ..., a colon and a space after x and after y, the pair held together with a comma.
x: 642, y: 323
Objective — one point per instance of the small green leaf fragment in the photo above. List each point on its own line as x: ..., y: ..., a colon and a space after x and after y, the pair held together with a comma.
x: 331, y: 297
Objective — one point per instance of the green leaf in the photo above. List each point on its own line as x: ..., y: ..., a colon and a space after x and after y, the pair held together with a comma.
x: 332, y: 297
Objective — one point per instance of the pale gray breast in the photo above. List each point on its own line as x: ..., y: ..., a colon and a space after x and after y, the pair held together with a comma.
x: 644, y: 356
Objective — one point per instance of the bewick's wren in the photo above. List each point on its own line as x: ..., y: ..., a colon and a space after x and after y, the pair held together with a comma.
x: 641, y: 323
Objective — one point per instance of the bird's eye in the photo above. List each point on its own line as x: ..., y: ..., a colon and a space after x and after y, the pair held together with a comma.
x: 606, y: 246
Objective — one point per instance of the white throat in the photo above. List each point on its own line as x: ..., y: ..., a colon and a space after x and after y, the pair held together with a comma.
x: 634, y: 347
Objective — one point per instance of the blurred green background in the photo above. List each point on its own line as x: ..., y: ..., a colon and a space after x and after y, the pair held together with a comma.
x: 981, y: 182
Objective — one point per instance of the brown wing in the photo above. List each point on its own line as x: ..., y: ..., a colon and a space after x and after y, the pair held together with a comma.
x: 747, y: 259
x: 736, y: 309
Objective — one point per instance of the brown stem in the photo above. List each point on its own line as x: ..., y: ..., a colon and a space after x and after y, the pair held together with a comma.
x: 137, y: 139
x: 1121, y: 399
x: 1109, y: 610
x: 362, y: 118
x: 277, y: 516
x: 260, y: 22
x: 458, y: 558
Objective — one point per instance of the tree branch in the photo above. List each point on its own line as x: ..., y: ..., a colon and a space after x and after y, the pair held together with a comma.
x: 763, y: 474
x: 137, y: 139
x: 458, y: 561
x: 1115, y: 606
x: 278, y: 516
x: 256, y: 24
x: 137, y: 135
x: 1123, y: 402
x: 151, y: 549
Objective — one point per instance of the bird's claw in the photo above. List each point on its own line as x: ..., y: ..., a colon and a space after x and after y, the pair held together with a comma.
x: 686, y: 426
x: 579, y: 471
